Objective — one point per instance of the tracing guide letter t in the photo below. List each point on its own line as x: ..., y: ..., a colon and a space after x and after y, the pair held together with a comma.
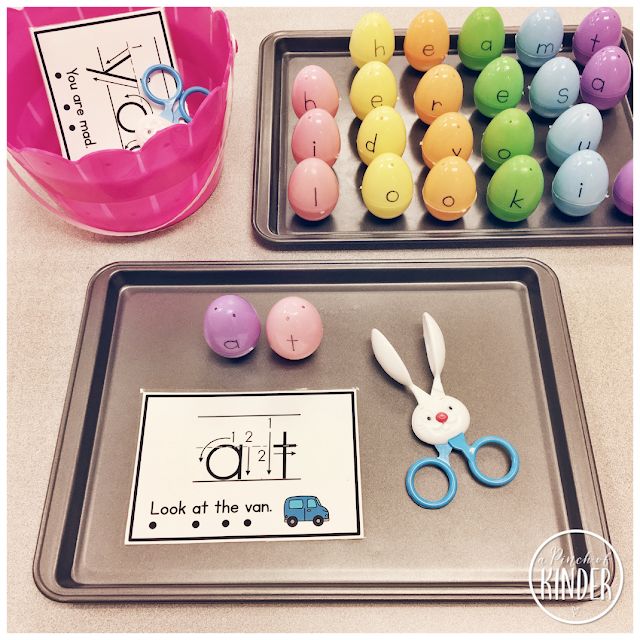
x: 246, y: 466
x: 92, y: 71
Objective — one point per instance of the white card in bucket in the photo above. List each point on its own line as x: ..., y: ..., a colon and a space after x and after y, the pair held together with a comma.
x: 273, y: 465
x: 91, y: 70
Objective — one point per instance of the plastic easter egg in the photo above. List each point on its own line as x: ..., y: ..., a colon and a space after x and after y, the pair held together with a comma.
x: 449, y: 135
x: 314, y: 88
x: 387, y: 186
x: 580, y: 183
x: 426, y: 43
x: 373, y: 86
x: 577, y: 128
x: 623, y: 189
x: 450, y: 189
x: 540, y: 37
x: 372, y: 39
x: 499, y: 86
x: 606, y: 78
x: 231, y: 326
x: 382, y: 131
x: 600, y: 28
x: 481, y: 38
x: 515, y: 189
x: 439, y: 91
x: 316, y: 135
x: 313, y: 189
x: 294, y: 328
x: 554, y: 88
x: 508, y: 135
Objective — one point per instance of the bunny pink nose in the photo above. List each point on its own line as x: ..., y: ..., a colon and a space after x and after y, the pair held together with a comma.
x: 442, y: 417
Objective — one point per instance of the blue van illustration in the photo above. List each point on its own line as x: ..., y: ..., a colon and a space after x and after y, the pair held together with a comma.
x: 304, y: 508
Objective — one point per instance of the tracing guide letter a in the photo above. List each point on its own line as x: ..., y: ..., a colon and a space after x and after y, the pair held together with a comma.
x: 246, y: 466
x: 92, y: 70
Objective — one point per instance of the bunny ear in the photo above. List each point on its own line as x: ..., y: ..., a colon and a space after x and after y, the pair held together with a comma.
x: 392, y: 364
x: 434, y: 343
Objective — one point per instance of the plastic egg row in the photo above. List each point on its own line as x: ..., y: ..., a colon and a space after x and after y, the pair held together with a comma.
x: 232, y: 327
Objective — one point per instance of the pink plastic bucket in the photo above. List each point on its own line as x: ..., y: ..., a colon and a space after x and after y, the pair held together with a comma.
x: 121, y: 192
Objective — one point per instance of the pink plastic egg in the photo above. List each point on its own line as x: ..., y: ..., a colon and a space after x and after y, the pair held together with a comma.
x: 314, y: 88
x: 313, y: 189
x: 294, y: 328
x: 316, y: 135
x: 606, y: 78
x: 600, y: 28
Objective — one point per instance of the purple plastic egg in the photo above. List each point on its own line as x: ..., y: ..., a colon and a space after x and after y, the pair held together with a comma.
x: 231, y: 326
x: 606, y: 78
x: 600, y: 28
x: 623, y: 189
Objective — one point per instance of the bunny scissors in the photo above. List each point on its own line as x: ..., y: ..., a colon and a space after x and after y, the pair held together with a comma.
x: 439, y: 419
x: 175, y: 106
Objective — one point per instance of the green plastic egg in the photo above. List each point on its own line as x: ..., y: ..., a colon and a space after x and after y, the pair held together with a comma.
x: 481, y: 38
x: 500, y: 86
x: 515, y: 189
x: 509, y: 134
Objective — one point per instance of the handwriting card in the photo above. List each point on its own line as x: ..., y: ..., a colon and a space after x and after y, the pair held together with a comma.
x: 246, y: 466
x: 92, y: 70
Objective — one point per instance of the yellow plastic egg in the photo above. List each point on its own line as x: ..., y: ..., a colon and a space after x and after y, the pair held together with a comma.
x: 427, y: 41
x: 372, y: 39
x: 373, y: 86
x: 449, y: 135
x: 439, y: 91
x: 450, y: 189
x: 387, y: 186
x: 382, y: 131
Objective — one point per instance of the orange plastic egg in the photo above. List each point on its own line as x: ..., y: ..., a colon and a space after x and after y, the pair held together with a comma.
x: 439, y: 91
x: 427, y: 41
x: 450, y: 189
x: 449, y: 135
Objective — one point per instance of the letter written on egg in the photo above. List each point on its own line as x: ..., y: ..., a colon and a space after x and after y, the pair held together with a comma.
x: 376, y: 101
x: 308, y: 101
x: 486, y: 45
x: 448, y: 201
x: 371, y: 144
x: 502, y: 96
x: 563, y: 95
x: 597, y: 84
x: 393, y: 196
x: 545, y: 48
x: 378, y: 47
x: 428, y: 50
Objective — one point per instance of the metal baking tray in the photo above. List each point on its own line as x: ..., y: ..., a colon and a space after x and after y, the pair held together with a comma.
x: 283, y: 54
x: 508, y: 358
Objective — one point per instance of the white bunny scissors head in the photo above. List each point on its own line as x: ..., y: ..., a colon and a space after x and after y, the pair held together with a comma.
x: 438, y: 417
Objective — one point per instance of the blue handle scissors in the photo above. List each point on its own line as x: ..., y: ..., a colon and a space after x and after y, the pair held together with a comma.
x: 439, y: 420
x: 175, y: 106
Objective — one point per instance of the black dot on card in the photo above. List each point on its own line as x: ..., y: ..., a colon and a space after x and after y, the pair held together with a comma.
x: 225, y: 523
x: 247, y: 523
x: 195, y: 524
x: 67, y: 107
x: 58, y: 75
x: 152, y: 525
x: 72, y: 127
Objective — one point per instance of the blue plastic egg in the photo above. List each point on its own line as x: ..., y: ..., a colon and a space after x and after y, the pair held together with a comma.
x: 581, y: 183
x: 555, y: 87
x: 540, y: 37
x: 576, y: 129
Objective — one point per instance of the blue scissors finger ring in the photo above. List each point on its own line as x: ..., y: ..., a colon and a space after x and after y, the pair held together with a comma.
x: 175, y: 106
x: 439, y: 419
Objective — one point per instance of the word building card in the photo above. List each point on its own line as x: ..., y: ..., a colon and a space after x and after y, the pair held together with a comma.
x: 246, y: 466
x: 92, y: 70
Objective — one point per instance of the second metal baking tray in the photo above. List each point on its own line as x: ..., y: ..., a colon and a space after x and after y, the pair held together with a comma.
x: 508, y: 358
x: 283, y: 54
